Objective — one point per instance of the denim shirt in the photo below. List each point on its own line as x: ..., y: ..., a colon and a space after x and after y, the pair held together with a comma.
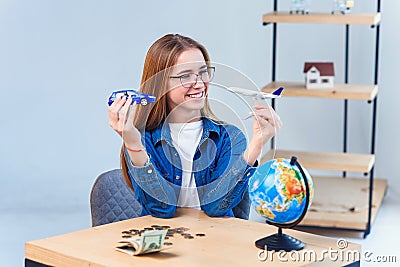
x: 219, y: 169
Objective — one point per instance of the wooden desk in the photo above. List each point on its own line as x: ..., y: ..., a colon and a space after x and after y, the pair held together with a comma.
x: 228, y: 242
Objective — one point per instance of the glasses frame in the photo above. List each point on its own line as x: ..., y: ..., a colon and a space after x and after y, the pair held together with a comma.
x: 197, y: 77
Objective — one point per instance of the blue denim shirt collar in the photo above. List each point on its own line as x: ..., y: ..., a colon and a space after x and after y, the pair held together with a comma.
x: 162, y: 133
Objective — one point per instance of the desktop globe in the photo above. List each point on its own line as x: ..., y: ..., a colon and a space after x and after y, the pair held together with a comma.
x: 279, y: 192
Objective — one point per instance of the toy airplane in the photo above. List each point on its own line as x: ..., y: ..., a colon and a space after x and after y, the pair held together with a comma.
x: 259, y: 95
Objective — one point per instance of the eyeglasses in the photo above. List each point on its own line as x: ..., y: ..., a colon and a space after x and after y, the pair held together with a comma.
x: 188, y: 80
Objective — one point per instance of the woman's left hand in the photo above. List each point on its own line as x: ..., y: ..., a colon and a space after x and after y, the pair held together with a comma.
x: 266, y: 124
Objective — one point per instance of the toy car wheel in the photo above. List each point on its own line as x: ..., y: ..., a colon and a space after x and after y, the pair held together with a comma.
x: 143, y: 101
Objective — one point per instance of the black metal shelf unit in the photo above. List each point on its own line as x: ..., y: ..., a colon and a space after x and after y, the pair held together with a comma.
x: 345, y: 106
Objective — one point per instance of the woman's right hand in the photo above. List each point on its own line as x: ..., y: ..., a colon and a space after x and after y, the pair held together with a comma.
x: 120, y: 117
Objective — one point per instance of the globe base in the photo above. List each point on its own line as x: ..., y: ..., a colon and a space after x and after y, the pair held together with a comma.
x: 279, y: 242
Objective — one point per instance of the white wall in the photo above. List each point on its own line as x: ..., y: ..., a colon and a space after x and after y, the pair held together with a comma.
x: 59, y: 61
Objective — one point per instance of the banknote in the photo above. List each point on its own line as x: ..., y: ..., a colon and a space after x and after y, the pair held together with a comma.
x: 149, y: 242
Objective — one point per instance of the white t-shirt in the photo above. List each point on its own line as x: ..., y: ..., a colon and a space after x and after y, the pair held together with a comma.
x: 186, y: 138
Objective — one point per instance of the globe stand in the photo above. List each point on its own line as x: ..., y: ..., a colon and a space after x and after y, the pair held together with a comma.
x: 281, y: 241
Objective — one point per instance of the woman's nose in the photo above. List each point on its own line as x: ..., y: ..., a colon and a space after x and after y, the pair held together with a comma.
x: 199, y: 83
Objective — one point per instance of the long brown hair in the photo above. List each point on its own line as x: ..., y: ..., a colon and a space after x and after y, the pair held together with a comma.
x: 161, y: 56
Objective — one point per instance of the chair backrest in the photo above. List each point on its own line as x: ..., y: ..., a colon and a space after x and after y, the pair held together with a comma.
x: 111, y: 200
x: 242, y: 210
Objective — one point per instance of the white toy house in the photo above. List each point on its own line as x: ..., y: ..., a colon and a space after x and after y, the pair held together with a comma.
x: 319, y: 74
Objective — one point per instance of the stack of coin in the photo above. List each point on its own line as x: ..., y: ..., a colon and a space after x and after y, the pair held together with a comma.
x: 183, y: 231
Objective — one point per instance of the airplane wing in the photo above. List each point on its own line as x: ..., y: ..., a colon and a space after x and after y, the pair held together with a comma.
x: 246, y: 92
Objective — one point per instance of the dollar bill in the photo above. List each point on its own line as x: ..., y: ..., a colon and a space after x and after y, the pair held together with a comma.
x: 149, y: 242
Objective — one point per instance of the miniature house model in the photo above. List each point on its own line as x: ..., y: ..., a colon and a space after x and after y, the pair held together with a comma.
x: 319, y: 74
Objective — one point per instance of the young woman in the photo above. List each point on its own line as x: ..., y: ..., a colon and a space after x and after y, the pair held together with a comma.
x: 175, y: 152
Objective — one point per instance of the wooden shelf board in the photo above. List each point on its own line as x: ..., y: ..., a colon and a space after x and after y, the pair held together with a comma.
x: 315, y: 17
x: 330, y: 161
x: 339, y: 91
x: 346, y: 207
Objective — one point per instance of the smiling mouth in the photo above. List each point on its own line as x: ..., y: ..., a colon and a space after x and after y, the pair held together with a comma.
x: 196, y: 95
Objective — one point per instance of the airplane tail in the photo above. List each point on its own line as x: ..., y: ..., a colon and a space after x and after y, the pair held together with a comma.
x: 278, y: 91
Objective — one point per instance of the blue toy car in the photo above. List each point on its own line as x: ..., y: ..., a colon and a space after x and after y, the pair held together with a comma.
x: 137, y: 97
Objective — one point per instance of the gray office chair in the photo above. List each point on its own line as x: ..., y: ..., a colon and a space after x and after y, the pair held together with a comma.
x: 242, y: 210
x: 111, y: 200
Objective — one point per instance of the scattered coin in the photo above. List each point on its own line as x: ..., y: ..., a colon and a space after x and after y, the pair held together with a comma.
x: 170, y: 232
x: 183, y: 229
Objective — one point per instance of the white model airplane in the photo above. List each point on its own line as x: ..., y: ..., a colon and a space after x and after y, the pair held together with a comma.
x: 259, y: 95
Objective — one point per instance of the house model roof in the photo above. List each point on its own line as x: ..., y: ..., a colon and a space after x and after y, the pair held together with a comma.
x: 325, y: 68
